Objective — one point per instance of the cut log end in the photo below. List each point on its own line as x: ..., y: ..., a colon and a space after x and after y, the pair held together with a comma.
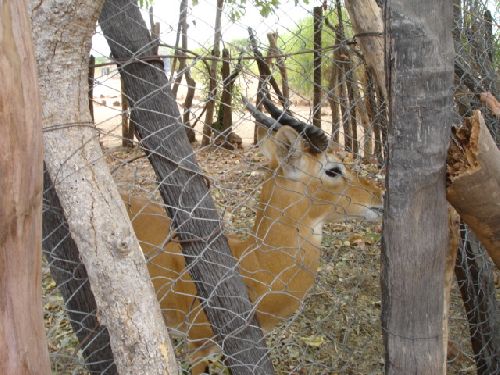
x: 473, y: 185
x: 463, y: 151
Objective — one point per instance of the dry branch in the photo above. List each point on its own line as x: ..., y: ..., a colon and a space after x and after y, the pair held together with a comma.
x: 474, y: 182
x: 366, y: 18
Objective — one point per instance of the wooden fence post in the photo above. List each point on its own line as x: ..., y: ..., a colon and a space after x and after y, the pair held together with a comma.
x: 23, y: 346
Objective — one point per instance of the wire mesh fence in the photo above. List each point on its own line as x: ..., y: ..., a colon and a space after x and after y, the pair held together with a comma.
x: 316, y: 288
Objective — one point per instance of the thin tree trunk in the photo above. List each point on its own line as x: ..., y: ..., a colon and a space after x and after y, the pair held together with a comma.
x: 475, y: 281
x: 318, y: 15
x: 23, y: 345
x: 353, y: 123
x: 183, y: 6
x: 275, y: 52
x: 212, y: 90
x: 362, y: 113
x: 181, y: 52
x: 415, y: 233
x: 264, y: 70
x: 344, y: 106
x: 333, y: 94
x: 342, y: 57
x: 222, y: 127
x: 127, y: 126
x: 71, y: 278
x: 188, y: 104
x: 191, y: 83
x: 189, y: 204
x: 382, y: 119
x: 95, y: 214
x: 371, y: 107
x: 366, y: 19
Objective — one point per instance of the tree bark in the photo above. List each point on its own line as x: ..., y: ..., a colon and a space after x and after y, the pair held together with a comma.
x: 366, y: 19
x: 372, y: 109
x: 182, y: 30
x: 415, y: 235
x: 344, y: 106
x: 189, y: 204
x: 275, y: 52
x: 212, y: 91
x: 95, y: 214
x: 475, y: 281
x: 333, y: 94
x: 361, y: 107
x: 473, y: 169
x: 353, y: 123
x: 318, y: 15
x: 127, y: 125
x: 23, y: 345
x: 223, y: 126
x: 71, y: 278
x: 451, y: 260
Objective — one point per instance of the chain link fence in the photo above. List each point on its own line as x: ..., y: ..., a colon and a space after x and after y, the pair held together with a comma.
x: 316, y: 71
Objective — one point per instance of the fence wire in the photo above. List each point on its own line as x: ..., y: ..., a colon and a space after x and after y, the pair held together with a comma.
x: 334, y: 327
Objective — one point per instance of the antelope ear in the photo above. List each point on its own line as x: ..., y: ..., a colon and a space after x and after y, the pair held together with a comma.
x: 284, y: 149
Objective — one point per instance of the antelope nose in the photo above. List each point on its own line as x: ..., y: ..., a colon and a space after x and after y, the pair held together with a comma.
x: 379, y: 210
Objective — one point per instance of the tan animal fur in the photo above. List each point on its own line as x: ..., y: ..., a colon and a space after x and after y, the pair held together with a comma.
x: 280, y: 258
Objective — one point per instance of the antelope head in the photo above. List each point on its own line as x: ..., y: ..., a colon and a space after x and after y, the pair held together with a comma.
x: 298, y: 153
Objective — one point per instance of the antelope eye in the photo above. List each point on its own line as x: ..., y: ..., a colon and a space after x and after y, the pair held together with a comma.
x: 334, y: 171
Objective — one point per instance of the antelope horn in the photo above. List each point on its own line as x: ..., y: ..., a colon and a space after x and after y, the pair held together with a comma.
x: 312, y: 134
x: 260, y: 117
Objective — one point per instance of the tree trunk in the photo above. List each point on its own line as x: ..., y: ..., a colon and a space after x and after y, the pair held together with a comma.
x: 473, y: 169
x: 366, y: 19
x: 194, y: 216
x: 353, y: 123
x: 127, y: 125
x: 318, y: 15
x: 23, y: 346
x: 371, y: 109
x: 333, y: 94
x: 212, y: 90
x: 382, y: 119
x: 415, y: 235
x: 475, y: 281
x: 71, y: 278
x: 95, y: 214
x: 344, y: 106
x: 225, y: 136
x: 275, y: 52
x: 362, y: 113
x: 182, y: 30
x: 191, y: 83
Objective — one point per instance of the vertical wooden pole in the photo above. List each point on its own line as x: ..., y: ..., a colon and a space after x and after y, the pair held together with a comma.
x: 415, y: 234
x: 23, y: 346
x: 318, y: 15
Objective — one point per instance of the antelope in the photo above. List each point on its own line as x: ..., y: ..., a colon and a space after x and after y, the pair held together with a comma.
x: 305, y: 187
